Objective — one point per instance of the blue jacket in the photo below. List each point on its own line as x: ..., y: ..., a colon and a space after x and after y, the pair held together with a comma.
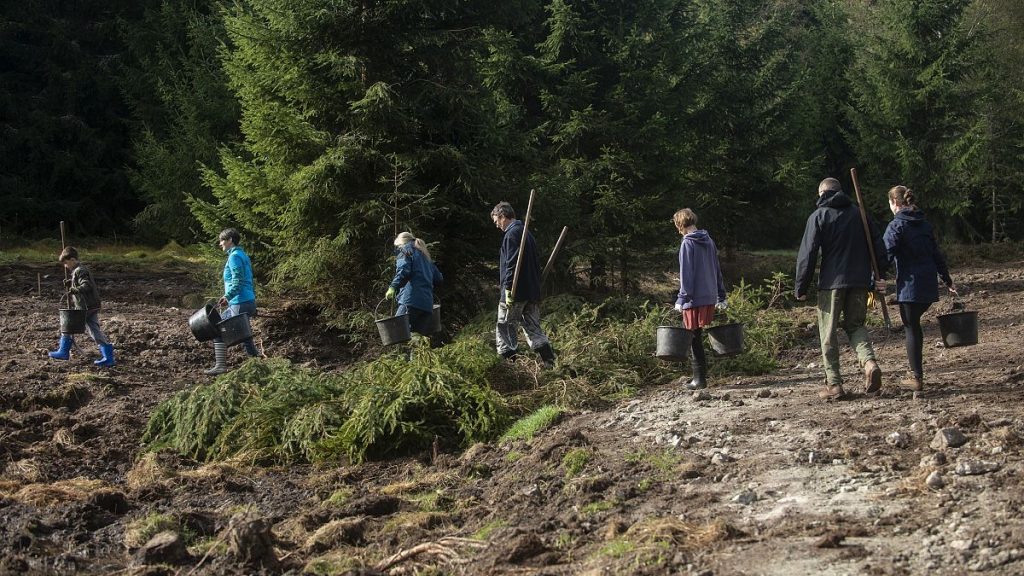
x: 415, y: 277
x: 528, y: 289
x: 238, y: 286
x: 700, y: 277
x: 835, y: 229
x: 910, y: 244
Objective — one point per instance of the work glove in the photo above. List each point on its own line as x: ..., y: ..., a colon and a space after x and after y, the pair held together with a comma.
x: 871, y: 299
x: 390, y: 294
x: 508, y: 297
x: 67, y: 282
x: 679, y: 307
x: 721, y: 305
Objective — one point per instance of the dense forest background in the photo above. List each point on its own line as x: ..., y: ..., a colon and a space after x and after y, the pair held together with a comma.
x: 320, y: 128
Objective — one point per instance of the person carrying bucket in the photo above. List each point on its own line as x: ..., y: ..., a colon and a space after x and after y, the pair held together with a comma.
x: 701, y: 288
x: 524, y: 309
x: 239, y: 296
x: 84, y: 296
x: 910, y: 245
x: 416, y: 276
x: 846, y: 276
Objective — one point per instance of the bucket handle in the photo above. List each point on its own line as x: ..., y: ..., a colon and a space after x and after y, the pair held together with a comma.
x: 375, y: 308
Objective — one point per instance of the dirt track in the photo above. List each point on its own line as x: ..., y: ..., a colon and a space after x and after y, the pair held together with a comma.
x: 757, y: 476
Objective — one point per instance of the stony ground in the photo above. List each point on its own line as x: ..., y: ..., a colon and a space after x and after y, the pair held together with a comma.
x: 754, y: 476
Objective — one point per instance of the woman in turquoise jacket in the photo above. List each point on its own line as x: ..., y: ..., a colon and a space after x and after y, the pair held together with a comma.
x: 239, y: 296
x: 414, y: 282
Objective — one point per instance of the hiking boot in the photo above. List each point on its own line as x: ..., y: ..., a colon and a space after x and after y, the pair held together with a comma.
x: 912, y: 382
x: 831, y: 392
x: 872, y: 378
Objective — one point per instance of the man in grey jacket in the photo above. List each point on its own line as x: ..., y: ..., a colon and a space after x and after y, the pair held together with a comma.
x: 835, y: 229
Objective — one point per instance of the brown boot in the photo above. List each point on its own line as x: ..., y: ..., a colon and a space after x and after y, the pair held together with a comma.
x: 831, y: 392
x: 912, y: 382
x: 872, y: 378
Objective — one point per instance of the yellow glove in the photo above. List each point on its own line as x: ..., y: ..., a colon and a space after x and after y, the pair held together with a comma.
x: 871, y: 299
x: 390, y: 294
x: 508, y: 297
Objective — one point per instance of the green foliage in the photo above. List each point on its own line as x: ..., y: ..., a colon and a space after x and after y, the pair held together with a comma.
x: 274, y: 411
x: 527, y: 427
x: 575, y: 460
x: 769, y: 328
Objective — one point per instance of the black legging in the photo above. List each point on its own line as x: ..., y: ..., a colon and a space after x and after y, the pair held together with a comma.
x: 910, y: 313
x: 697, y: 346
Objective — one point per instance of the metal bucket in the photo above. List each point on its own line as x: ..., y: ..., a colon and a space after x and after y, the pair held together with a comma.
x: 726, y: 339
x: 235, y: 330
x: 673, y: 343
x: 203, y: 323
x: 393, y: 330
x: 72, y: 321
x: 959, y: 328
x: 435, y: 319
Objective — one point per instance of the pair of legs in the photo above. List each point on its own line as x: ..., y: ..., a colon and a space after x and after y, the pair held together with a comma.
x: 527, y: 316
x: 220, y: 349
x: 910, y: 313
x: 420, y: 322
x: 694, y: 320
x: 92, y: 328
x: 846, y: 309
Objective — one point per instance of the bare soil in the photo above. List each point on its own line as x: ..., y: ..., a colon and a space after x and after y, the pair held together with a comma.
x: 755, y: 476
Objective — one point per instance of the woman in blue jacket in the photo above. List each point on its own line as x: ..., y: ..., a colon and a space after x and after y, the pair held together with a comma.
x: 910, y: 244
x: 239, y: 295
x: 414, y: 282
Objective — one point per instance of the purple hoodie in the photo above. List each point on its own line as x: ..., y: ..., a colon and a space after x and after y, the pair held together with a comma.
x: 700, y: 277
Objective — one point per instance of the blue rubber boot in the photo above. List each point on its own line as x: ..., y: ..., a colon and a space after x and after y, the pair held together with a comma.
x: 107, y: 350
x: 63, y: 352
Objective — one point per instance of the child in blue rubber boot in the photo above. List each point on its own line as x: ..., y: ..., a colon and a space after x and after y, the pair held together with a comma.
x: 84, y: 296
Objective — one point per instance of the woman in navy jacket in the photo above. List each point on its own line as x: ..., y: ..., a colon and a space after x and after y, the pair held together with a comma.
x: 910, y: 244
x: 414, y: 282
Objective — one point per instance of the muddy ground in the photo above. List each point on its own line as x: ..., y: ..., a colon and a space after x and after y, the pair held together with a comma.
x: 754, y: 476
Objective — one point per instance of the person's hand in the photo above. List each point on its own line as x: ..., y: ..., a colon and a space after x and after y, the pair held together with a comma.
x: 508, y: 297
x: 880, y: 286
x: 721, y: 305
x: 679, y: 307
x: 802, y: 298
x: 223, y: 301
x: 952, y: 289
x: 67, y: 282
x: 390, y: 294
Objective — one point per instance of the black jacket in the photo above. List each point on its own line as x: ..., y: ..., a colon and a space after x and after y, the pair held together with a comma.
x: 84, y: 294
x: 835, y: 229
x: 528, y: 289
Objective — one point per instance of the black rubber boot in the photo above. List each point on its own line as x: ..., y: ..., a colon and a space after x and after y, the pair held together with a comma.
x: 700, y: 363
x: 547, y: 355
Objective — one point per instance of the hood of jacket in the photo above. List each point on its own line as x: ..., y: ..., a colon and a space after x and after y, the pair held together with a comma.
x: 834, y: 199
x: 699, y: 236
x: 910, y: 216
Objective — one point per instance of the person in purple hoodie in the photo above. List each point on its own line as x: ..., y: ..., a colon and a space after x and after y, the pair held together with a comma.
x: 910, y: 245
x: 701, y: 288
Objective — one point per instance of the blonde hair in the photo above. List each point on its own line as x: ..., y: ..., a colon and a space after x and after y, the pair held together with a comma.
x: 684, y: 218
x: 902, y: 196
x: 406, y: 237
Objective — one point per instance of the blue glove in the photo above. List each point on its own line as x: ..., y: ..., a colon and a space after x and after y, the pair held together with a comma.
x: 390, y: 294
x: 508, y: 297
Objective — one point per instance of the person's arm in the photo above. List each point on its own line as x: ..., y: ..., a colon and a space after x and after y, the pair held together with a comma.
x: 685, y: 274
x: 403, y: 270
x: 807, y: 259
x: 438, y: 277
x: 940, y: 262
x: 510, y: 250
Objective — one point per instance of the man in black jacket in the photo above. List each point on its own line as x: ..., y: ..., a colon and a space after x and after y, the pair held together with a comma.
x: 835, y: 229
x: 524, y: 309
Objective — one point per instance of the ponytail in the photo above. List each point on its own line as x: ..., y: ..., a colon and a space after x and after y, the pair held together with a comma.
x: 407, y: 237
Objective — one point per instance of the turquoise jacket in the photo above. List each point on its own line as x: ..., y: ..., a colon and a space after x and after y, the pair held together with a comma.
x: 238, y: 286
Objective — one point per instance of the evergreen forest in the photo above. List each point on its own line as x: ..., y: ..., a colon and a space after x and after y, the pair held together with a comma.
x: 321, y: 128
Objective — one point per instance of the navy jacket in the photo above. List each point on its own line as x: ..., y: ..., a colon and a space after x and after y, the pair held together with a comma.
x: 910, y: 244
x: 415, y: 276
x: 528, y: 289
x: 700, y: 276
x: 835, y: 229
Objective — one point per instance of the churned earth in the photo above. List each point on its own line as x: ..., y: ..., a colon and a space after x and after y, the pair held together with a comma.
x: 754, y: 476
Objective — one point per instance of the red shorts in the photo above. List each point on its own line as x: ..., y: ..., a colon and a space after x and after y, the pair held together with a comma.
x: 699, y: 317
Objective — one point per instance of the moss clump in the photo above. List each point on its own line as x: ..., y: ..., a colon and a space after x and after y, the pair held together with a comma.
x: 575, y: 460
x: 528, y: 427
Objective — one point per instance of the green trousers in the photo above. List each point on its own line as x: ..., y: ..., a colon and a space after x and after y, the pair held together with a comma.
x: 845, y: 308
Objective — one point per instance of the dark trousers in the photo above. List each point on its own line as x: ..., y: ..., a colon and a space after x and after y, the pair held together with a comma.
x: 910, y: 313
